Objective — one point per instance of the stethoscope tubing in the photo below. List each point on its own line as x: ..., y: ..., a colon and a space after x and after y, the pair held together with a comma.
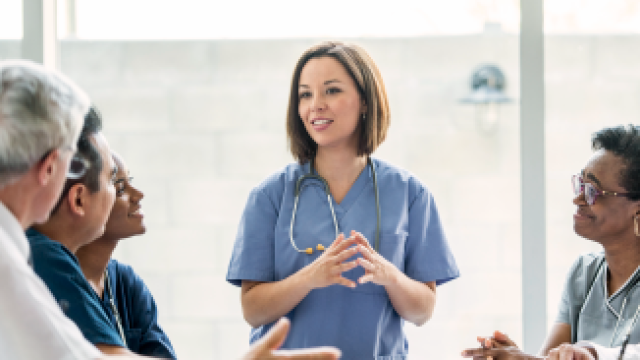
x: 325, y: 185
x: 620, y: 315
x: 116, y: 313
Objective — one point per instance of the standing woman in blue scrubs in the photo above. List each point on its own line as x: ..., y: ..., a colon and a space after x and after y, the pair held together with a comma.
x: 340, y: 290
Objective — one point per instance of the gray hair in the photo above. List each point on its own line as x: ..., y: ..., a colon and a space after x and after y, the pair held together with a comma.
x: 40, y: 111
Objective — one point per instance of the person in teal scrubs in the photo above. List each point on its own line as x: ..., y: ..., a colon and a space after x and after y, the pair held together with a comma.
x: 353, y: 290
x: 134, y: 310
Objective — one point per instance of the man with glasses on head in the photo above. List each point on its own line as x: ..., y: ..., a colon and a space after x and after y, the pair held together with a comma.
x: 41, y: 114
x: 78, y: 218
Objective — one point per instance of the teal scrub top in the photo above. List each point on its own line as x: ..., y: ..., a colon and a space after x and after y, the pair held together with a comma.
x: 61, y: 272
x: 600, y: 318
x: 138, y: 312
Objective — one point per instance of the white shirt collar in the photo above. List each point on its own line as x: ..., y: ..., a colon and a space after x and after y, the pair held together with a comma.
x: 10, y: 225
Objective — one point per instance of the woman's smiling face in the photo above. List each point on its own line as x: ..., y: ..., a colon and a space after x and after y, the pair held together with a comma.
x: 126, y: 218
x: 330, y: 104
x: 610, y: 217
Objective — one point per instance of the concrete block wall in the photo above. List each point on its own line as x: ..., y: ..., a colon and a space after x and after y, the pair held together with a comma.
x: 200, y: 123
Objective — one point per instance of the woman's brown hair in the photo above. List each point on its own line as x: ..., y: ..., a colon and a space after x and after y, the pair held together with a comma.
x: 365, y: 74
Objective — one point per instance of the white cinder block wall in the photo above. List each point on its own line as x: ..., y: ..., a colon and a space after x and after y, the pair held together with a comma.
x: 202, y: 122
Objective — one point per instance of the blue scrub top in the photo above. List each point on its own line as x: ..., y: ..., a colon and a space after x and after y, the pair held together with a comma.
x: 361, y: 322
x: 61, y: 272
x: 138, y: 312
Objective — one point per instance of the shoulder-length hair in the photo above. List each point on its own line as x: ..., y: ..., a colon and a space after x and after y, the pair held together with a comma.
x: 365, y: 74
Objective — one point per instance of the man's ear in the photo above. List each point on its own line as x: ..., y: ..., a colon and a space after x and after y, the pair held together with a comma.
x: 47, y: 167
x: 77, y: 199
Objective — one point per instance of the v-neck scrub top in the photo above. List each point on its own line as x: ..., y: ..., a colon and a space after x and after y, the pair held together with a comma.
x: 600, y: 312
x: 138, y: 312
x: 361, y: 322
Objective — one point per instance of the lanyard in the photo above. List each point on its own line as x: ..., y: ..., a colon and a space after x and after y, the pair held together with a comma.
x: 114, y: 308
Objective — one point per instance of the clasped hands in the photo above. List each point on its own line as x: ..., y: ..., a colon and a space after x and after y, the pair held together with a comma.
x: 501, y: 347
x: 327, y: 269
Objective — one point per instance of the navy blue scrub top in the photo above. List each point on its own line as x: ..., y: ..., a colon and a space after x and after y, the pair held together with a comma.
x: 138, y: 312
x: 61, y: 272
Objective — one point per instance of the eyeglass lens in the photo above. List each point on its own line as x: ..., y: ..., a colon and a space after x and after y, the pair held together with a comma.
x: 590, y: 192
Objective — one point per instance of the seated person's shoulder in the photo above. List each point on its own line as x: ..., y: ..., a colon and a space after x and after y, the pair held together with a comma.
x: 127, y: 278
x: 61, y: 272
x: 51, y: 259
x: 582, y: 274
x: 587, y: 264
x: 124, y: 272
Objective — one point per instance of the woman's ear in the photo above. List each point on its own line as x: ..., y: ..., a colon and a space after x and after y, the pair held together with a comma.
x: 636, y: 208
x: 77, y: 199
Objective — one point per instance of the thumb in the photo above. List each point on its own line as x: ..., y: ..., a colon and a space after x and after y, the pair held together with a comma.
x: 501, y: 337
x: 276, y: 336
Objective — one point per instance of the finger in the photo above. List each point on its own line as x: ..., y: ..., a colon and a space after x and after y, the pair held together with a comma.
x: 275, y: 337
x: 335, y: 242
x: 345, y: 254
x: 488, y: 343
x: 481, y: 339
x: 366, y: 278
x: 503, y: 338
x: 344, y: 282
x: 344, y: 244
x: 479, y: 352
x: 319, y: 353
x: 360, y: 239
x: 366, y: 253
x: 366, y: 264
x: 566, y: 352
x: 553, y: 355
x: 344, y: 267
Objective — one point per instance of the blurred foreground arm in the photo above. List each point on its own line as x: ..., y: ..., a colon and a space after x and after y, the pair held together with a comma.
x: 267, y: 347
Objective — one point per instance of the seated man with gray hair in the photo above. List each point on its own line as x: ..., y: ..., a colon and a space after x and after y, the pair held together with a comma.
x: 41, y: 114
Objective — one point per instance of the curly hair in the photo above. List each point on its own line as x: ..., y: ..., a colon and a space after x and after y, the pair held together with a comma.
x: 624, y: 142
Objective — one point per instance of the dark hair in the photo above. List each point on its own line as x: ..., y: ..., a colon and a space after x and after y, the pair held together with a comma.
x: 624, y: 142
x: 366, y: 76
x: 91, y: 179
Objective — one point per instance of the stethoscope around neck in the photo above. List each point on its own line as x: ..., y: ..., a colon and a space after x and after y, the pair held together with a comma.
x: 116, y: 313
x: 310, y: 175
x: 620, y: 315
